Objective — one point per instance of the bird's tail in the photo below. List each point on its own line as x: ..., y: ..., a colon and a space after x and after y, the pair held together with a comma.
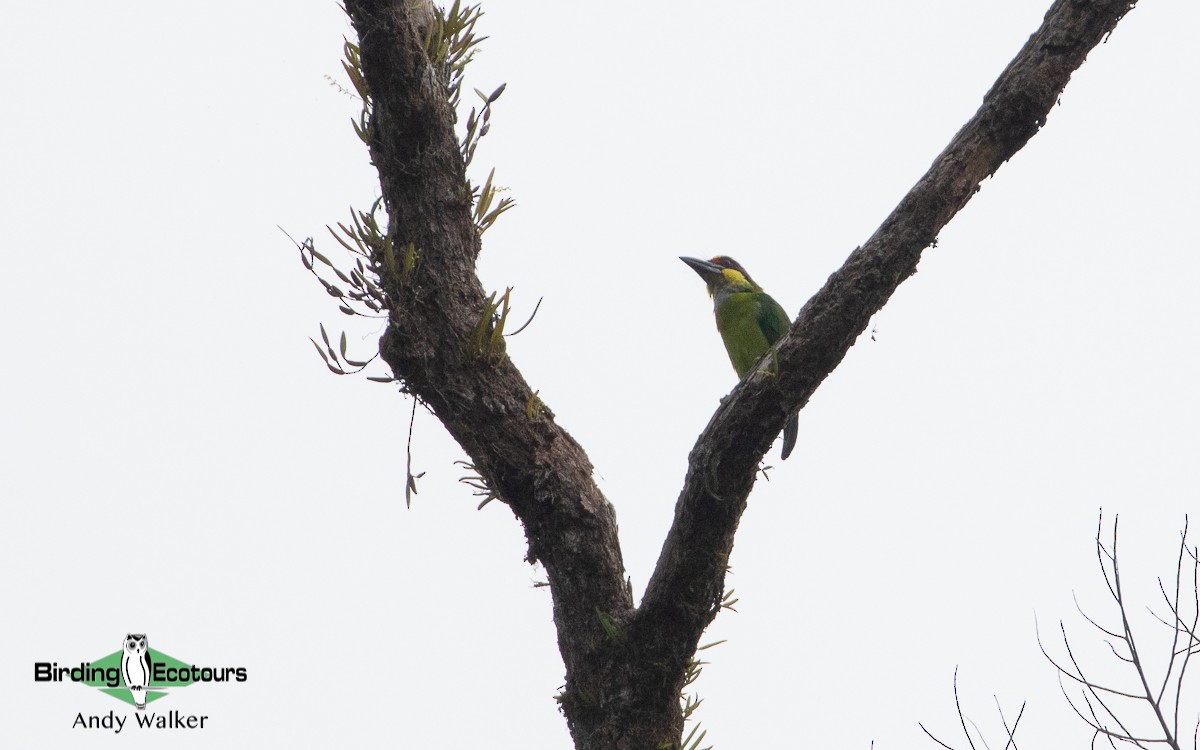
x: 789, y: 435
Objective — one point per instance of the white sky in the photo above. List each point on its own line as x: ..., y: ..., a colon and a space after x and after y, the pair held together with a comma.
x: 176, y: 460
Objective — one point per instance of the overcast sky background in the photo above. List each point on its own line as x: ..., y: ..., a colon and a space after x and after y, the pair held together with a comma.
x: 177, y: 460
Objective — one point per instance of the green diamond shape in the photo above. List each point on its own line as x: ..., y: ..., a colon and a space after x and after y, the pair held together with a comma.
x: 154, y: 692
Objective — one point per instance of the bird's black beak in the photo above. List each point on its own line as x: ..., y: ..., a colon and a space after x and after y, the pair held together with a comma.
x: 710, y: 272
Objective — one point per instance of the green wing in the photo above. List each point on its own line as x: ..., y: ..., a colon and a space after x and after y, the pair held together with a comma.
x: 772, y: 318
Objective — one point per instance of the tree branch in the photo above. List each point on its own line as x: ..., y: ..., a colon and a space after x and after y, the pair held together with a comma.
x: 690, y: 573
x: 625, y: 668
x: 530, y: 462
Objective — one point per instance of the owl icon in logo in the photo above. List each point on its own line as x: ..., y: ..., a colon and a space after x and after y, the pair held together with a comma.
x: 135, y: 667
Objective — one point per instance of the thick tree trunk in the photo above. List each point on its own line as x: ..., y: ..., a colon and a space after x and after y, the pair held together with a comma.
x: 625, y: 667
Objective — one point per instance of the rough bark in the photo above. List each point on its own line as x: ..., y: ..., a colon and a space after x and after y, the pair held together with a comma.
x: 625, y: 666
x: 722, y: 465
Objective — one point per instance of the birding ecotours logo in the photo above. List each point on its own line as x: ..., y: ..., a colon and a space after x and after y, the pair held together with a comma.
x: 135, y: 674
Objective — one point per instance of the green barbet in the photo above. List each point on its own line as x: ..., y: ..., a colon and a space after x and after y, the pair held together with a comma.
x: 748, y: 319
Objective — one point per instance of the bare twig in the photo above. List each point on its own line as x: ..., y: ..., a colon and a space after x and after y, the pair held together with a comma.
x: 1010, y: 732
x: 1111, y: 721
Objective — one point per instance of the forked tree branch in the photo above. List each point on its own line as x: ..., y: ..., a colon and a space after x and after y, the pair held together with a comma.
x: 624, y: 666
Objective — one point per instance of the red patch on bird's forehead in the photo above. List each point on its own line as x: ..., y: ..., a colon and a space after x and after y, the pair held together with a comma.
x: 724, y: 261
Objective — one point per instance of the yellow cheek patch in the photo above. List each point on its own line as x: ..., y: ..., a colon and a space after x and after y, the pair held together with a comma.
x: 734, y: 277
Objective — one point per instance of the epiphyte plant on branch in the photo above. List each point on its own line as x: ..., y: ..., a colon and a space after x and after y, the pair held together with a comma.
x: 451, y: 43
x: 749, y: 320
x: 626, y: 666
x: 381, y: 268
